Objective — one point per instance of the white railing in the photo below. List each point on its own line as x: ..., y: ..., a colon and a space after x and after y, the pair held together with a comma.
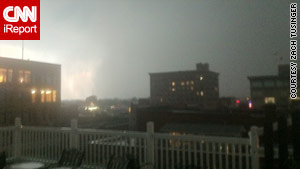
x: 206, y: 152
x: 44, y: 143
x: 6, y: 141
x: 159, y: 151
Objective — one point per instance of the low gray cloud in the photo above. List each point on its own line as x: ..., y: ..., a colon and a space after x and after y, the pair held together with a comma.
x: 108, y: 48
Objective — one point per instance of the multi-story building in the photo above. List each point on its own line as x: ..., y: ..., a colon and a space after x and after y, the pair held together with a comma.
x: 196, y: 87
x: 271, y: 89
x: 30, y: 90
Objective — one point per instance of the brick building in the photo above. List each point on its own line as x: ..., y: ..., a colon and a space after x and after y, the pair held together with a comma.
x: 271, y: 89
x: 30, y: 90
x: 195, y: 87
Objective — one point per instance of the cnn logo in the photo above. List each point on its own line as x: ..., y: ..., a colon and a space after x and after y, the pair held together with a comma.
x: 20, y: 14
x: 20, y: 20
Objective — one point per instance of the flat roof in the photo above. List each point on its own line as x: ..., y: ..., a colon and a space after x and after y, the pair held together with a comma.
x: 15, y: 60
x: 182, y: 72
x: 267, y: 77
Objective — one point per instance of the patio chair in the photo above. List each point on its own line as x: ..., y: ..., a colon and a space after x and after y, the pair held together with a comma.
x: 127, y: 162
x: 69, y: 158
x: 2, y: 159
x: 188, y: 167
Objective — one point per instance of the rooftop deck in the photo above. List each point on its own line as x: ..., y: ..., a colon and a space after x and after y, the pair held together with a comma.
x: 163, y: 151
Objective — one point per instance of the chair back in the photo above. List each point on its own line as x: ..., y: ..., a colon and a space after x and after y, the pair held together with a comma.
x: 188, y: 167
x: 71, y: 158
x: 126, y: 162
x: 118, y: 163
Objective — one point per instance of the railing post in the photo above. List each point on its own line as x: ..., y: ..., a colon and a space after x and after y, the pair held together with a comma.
x: 254, y: 142
x: 17, y: 138
x: 74, y: 139
x: 150, y: 145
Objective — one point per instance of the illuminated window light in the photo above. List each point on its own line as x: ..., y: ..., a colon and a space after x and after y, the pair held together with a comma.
x: 21, y: 80
x: 269, y: 100
x: 48, y: 91
x: 192, y: 82
x: 201, y: 93
x: 42, y: 96
x: 33, y: 95
x: 33, y: 91
x: 182, y: 83
x: 173, y: 83
x: 3, y: 75
x: 250, y: 104
x: 1, y: 79
x: 201, y: 78
x: 48, y: 96
x: 54, y: 96
x: 173, y: 89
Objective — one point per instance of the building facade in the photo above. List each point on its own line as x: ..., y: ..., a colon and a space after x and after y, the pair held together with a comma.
x: 197, y: 87
x: 272, y: 89
x: 30, y: 90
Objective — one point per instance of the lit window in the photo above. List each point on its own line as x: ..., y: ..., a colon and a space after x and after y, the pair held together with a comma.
x: 54, y: 95
x: 269, y: 100
x: 24, y: 76
x: 192, y: 88
x: 201, y: 78
x: 182, y: 83
x: 48, y: 96
x: 250, y: 105
x: 198, y: 93
x: 2, y: 75
x: 201, y: 93
x: 187, y: 83
x: 42, y: 96
x: 33, y: 95
x: 173, y: 83
x: 173, y: 89
x: 21, y: 79
x: 192, y: 82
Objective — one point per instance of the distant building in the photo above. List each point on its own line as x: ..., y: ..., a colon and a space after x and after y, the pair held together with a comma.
x: 271, y: 89
x: 30, y: 90
x: 90, y: 108
x: 196, y: 87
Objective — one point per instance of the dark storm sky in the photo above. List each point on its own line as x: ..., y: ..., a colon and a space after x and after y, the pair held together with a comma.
x: 107, y: 48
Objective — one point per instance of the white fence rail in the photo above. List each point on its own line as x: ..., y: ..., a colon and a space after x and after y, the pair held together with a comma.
x: 163, y: 151
x: 6, y: 141
x: 206, y: 152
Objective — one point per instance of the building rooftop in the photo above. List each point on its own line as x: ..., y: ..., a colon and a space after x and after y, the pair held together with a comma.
x: 17, y: 61
x: 199, y: 68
